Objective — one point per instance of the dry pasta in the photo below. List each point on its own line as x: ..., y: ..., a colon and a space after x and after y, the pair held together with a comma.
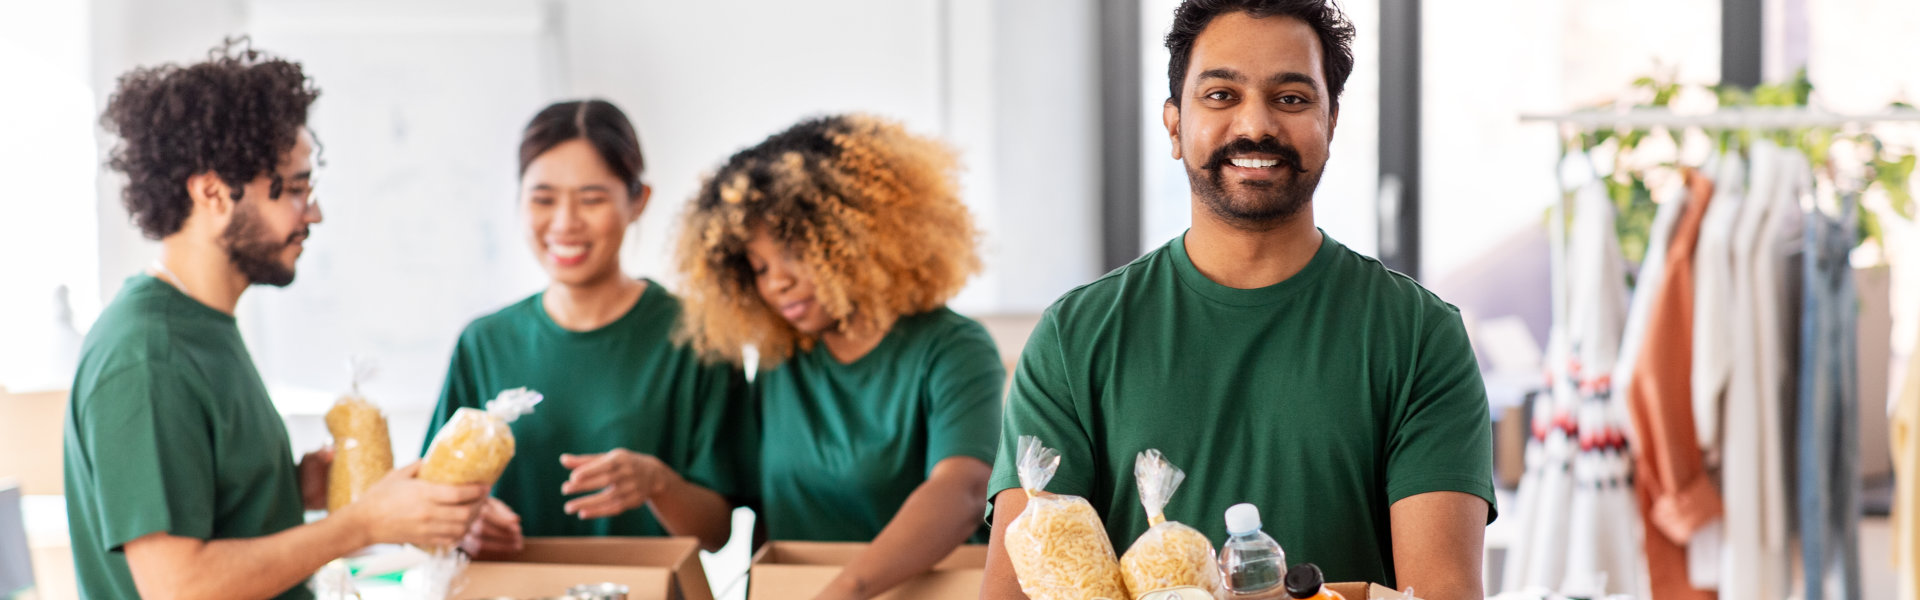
x: 362, y: 453
x: 1058, y: 547
x: 474, y: 446
x: 1169, y: 555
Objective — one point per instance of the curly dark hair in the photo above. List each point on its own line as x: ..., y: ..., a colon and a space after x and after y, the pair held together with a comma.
x: 1324, y: 16
x: 873, y: 211
x: 233, y: 115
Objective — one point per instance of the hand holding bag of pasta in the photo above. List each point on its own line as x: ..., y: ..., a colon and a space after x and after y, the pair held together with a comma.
x: 1170, y: 560
x: 1059, y: 549
x: 362, y: 454
x: 474, y: 446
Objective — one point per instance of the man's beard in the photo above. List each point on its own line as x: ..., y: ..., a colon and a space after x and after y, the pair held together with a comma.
x: 258, y: 258
x: 1261, y: 204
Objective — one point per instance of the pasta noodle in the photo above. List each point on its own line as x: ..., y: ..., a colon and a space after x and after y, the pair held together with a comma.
x: 1059, y: 549
x: 474, y: 446
x: 1169, y: 555
x: 362, y: 453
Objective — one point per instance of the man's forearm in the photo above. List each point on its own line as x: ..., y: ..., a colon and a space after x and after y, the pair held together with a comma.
x: 171, y: 567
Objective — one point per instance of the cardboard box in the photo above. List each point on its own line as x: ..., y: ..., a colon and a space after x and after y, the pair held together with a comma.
x: 1367, y: 591
x: 651, y: 568
x: 783, y: 570
x: 32, y: 430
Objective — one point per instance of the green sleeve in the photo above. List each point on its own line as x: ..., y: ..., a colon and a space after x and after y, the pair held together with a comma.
x: 1044, y: 404
x: 460, y: 390
x: 1441, y: 438
x: 964, y: 384
x: 152, y: 449
x: 717, y: 432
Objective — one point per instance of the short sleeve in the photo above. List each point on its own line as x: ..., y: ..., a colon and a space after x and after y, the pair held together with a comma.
x: 721, y: 431
x: 964, y: 384
x: 1044, y: 404
x: 150, y: 441
x: 1441, y: 437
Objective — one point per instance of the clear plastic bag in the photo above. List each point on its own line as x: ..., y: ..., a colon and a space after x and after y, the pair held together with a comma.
x: 1169, y: 556
x: 1059, y: 549
x: 334, y: 581
x: 362, y: 452
x: 474, y: 446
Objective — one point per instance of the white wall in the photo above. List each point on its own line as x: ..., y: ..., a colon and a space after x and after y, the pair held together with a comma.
x: 422, y: 103
x: 1486, y: 174
x: 47, y: 160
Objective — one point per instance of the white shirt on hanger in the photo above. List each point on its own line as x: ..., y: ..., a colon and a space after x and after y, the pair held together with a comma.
x: 1713, y: 349
x: 1745, y: 570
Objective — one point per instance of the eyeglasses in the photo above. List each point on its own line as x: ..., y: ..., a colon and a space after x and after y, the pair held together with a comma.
x: 304, y: 200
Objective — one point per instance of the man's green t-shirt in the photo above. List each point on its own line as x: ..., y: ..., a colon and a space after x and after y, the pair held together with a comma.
x: 1322, y: 399
x: 845, y: 444
x: 170, y: 430
x: 625, y: 385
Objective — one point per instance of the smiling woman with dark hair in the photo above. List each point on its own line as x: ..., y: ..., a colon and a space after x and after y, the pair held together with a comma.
x: 632, y: 427
x: 832, y: 248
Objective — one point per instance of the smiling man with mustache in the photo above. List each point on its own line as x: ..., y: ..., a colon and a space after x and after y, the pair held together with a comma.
x: 1273, y: 364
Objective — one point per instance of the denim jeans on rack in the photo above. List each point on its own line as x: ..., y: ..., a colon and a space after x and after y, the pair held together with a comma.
x: 1829, y: 455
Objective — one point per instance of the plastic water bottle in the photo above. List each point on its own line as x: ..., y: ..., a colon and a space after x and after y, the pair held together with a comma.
x: 1252, y: 562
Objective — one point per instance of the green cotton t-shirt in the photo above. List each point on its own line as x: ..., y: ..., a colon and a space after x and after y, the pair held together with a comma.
x: 845, y: 444
x: 624, y: 385
x: 170, y: 430
x: 1322, y: 399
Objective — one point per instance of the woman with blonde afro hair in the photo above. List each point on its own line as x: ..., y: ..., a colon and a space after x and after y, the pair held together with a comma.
x: 831, y: 248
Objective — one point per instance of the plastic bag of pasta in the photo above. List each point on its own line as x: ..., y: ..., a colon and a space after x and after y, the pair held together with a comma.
x: 1170, y: 560
x: 1059, y: 549
x: 362, y: 453
x: 474, y: 446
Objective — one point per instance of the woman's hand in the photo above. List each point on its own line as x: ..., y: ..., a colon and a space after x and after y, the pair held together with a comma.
x: 626, y: 480
x: 496, y: 534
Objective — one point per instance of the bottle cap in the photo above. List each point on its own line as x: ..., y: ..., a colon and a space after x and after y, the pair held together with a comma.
x: 1242, y: 519
x: 1304, y: 581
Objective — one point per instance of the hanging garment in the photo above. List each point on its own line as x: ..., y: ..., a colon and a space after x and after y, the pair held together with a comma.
x: 1777, y: 289
x: 1675, y: 494
x: 1747, y: 568
x: 1536, y: 556
x: 1646, y: 287
x: 1597, y: 309
x: 1828, y: 461
x: 1905, y: 437
x: 1713, y: 348
x: 1624, y: 538
x: 1712, y: 298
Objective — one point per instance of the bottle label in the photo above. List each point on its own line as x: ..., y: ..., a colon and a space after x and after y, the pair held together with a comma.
x: 1176, y: 593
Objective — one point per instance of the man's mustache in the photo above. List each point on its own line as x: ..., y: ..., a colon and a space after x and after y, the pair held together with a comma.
x: 1267, y: 145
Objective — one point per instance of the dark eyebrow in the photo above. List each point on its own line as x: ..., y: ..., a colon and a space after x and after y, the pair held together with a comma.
x: 1292, y: 77
x: 301, y: 176
x: 1222, y: 73
x: 585, y: 188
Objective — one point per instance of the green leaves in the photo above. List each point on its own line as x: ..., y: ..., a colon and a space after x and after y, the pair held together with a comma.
x: 1890, y: 170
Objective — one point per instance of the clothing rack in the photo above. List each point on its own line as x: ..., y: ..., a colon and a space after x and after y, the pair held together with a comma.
x: 1725, y: 118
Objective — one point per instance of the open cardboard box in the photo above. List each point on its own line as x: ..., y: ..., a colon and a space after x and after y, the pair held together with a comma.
x: 801, y: 569
x: 651, y: 568
x: 1365, y: 591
